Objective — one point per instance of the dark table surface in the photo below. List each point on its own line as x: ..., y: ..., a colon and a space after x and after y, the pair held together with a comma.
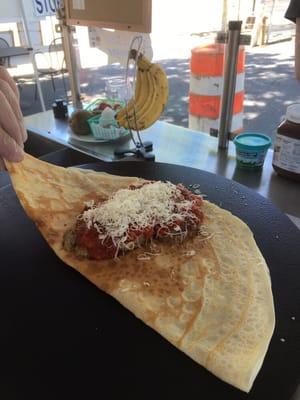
x: 62, y: 338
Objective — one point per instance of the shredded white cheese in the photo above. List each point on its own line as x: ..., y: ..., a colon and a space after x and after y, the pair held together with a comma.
x: 154, y: 203
x: 190, y: 253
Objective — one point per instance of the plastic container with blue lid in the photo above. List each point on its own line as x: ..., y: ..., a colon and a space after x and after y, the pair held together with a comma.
x: 251, y: 149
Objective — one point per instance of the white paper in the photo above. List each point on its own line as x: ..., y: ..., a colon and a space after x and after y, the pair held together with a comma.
x: 78, y: 4
x: 287, y: 153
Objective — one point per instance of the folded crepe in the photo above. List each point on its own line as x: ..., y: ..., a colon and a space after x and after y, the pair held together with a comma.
x: 210, y: 296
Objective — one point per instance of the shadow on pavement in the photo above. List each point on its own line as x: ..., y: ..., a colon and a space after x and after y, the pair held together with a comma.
x: 269, y: 87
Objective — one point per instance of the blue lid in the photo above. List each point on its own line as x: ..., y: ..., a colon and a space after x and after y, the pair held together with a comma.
x: 251, y: 140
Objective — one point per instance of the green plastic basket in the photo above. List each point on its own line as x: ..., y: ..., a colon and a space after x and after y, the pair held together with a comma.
x: 111, y: 133
x: 99, y: 132
x: 112, y: 102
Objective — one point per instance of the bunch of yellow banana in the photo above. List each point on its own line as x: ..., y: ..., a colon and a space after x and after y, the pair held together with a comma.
x: 150, y: 98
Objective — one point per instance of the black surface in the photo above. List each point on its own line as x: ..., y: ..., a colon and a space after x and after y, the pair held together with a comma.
x: 64, y: 157
x: 293, y: 10
x: 62, y: 338
x: 67, y: 157
x: 38, y: 146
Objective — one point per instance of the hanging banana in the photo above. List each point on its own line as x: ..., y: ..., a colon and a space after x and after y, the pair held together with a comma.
x: 150, y: 98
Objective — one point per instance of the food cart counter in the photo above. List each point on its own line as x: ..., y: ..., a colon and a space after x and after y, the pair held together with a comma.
x: 181, y: 146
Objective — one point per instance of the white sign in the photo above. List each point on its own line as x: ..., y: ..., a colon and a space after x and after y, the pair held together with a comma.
x: 116, y: 43
x: 42, y: 8
x: 78, y: 4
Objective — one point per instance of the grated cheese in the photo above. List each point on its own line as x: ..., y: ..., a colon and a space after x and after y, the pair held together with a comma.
x: 146, y: 206
x: 190, y: 253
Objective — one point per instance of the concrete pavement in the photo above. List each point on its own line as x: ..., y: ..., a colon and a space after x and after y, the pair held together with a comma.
x: 270, y: 87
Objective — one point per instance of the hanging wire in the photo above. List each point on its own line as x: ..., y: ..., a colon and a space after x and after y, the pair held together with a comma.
x: 133, y: 54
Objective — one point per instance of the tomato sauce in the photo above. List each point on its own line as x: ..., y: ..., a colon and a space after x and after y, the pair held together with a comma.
x: 105, y: 249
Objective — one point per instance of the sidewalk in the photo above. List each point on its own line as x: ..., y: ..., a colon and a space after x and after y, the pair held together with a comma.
x: 270, y: 87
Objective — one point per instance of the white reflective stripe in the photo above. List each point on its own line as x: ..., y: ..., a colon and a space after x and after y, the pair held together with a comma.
x: 202, y: 124
x: 206, y: 85
x: 213, y: 85
x: 240, y: 80
x: 205, y: 124
x: 237, y: 122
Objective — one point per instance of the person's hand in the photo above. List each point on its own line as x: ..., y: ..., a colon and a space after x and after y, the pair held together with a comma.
x: 12, y: 130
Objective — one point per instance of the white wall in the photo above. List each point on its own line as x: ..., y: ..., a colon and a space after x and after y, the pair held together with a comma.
x: 181, y: 16
x: 10, y: 15
x: 9, y: 11
x: 173, y: 22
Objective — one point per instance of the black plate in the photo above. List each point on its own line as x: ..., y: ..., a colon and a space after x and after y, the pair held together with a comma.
x: 62, y: 338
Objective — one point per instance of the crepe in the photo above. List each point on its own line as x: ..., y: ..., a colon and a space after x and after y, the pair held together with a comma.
x: 209, y: 296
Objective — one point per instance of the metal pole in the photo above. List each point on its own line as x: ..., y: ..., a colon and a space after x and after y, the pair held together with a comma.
x: 230, y: 66
x: 71, y: 64
x: 224, y: 14
x: 29, y: 43
x: 270, y: 23
x: 70, y: 57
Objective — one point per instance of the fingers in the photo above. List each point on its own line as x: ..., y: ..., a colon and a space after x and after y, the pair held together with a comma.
x: 4, y: 75
x: 9, y: 149
x: 8, y: 120
x: 12, y: 130
x: 14, y: 104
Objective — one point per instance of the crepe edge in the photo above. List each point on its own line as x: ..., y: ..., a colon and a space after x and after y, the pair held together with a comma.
x: 253, y: 372
x: 248, y: 383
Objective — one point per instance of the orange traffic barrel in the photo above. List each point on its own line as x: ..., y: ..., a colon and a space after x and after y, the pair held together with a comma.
x: 206, y: 85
